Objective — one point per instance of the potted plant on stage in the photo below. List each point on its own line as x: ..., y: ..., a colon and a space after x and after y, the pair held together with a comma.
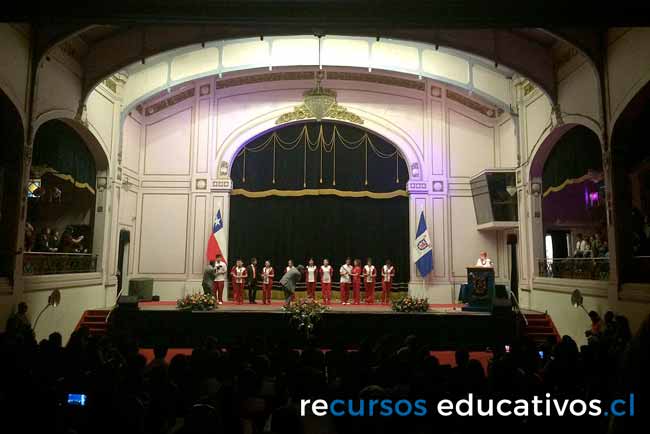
x: 410, y: 304
x: 197, y: 302
x: 305, y: 314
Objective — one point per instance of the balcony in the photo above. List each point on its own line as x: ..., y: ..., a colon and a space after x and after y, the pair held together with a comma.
x: 574, y: 268
x: 42, y: 263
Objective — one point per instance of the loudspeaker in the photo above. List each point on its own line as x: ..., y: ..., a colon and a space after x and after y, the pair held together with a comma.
x: 141, y: 287
x: 127, y: 302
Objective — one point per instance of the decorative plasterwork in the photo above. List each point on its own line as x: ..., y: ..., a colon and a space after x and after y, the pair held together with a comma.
x: 262, y: 78
x: 489, y: 111
x: 436, y: 91
x: 336, y: 112
x: 204, y: 90
x: 168, y: 102
x: 374, y: 78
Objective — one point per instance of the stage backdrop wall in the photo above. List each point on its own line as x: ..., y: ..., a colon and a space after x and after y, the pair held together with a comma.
x: 321, y: 190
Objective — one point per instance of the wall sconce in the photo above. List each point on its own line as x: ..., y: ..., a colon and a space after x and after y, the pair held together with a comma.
x: 536, y: 188
x: 415, y: 170
x: 102, y: 183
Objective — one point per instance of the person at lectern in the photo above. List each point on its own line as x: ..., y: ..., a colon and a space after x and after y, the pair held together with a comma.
x: 484, y: 261
x: 289, y: 281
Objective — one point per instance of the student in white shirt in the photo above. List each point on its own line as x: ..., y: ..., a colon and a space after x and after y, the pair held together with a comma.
x: 346, y: 278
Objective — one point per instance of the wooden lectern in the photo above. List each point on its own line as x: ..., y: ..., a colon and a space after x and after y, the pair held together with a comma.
x: 480, y: 289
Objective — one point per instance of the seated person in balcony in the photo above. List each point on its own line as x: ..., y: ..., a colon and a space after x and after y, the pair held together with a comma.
x: 582, y: 246
x: 43, y: 241
x: 484, y: 261
x: 30, y: 237
x: 70, y: 244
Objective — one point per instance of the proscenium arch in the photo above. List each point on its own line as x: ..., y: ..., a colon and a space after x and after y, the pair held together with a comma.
x: 261, y: 125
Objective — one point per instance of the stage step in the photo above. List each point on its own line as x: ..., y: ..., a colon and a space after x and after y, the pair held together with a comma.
x: 95, y: 321
x: 540, y: 327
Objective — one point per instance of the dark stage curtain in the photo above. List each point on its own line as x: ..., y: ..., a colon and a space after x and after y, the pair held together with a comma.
x: 575, y: 155
x: 59, y: 150
x: 339, y: 192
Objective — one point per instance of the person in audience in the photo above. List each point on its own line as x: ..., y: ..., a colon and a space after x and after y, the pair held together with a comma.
x: 268, y: 273
x: 30, y: 237
x: 159, y: 358
x: 256, y: 385
x: 208, y: 278
x: 69, y: 243
x: 484, y: 261
x: 220, y: 271
x: 357, y: 271
x: 596, y: 328
x: 252, y: 281
x: 18, y: 324
x: 345, y: 273
x: 369, y: 276
x: 581, y: 245
x: 43, y: 241
x: 311, y: 276
x: 239, y: 275
x: 387, y: 275
x: 55, y: 240
x: 326, y: 275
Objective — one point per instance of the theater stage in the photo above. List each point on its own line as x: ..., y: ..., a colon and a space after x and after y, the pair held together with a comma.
x: 443, y: 327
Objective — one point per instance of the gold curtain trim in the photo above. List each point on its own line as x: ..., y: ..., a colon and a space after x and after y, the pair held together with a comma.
x: 42, y: 170
x: 318, y: 192
x: 570, y: 181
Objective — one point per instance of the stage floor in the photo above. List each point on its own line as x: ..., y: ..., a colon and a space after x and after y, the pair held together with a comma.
x: 276, y: 307
x: 443, y: 327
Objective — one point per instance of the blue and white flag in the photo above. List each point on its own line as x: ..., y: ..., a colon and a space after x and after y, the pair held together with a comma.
x: 423, y: 253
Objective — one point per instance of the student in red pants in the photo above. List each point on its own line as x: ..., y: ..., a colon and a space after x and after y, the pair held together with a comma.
x: 346, y: 278
x: 387, y: 274
x: 311, y: 277
x: 369, y: 275
x: 356, y: 281
x: 268, y: 273
x: 221, y: 270
x: 326, y: 272
x: 239, y: 276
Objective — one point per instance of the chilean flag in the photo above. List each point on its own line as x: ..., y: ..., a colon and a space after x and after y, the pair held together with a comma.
x: 216, y: 239
x: 423, y: 251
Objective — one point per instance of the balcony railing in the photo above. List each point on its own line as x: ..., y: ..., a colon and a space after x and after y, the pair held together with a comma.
x: 39, y: 263
x: 574, y: 268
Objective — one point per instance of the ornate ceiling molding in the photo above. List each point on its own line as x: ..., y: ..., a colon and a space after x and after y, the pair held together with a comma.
x: 337, y: 112
x: 485, y: 110
x: 167, y: 102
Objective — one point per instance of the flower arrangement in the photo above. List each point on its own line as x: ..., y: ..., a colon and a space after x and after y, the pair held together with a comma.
x: 410, y: 304
x: 304, y: 314
x: 197, y: 301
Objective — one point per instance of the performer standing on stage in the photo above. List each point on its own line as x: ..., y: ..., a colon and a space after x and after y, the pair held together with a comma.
x: 239, y: 275
x: 356, y: 281
x: 267, y: 282
x: 220, y: 270
x: 387, y: 274
x: 252, y: 281
x: 346, y: 277
x: 326, y: 273
x: 369, y: 274
x: 311, y: 278
x: 289, y: 265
